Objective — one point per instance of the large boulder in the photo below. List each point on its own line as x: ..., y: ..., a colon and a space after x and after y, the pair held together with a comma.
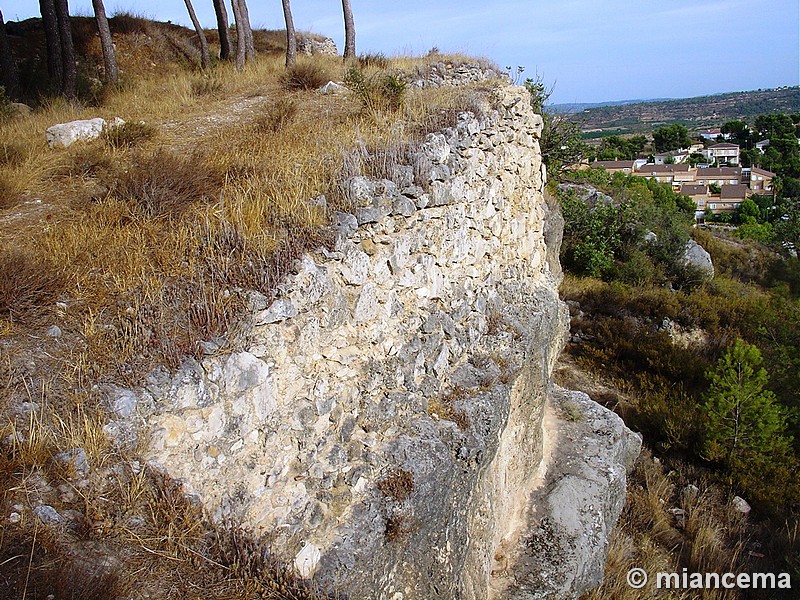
x: 696, y: 257
x: 85, y: 130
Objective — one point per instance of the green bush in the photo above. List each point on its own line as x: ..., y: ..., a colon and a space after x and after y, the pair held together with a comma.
x: 385, y: 92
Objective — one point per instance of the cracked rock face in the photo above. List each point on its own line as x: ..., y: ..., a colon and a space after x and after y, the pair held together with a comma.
x: 382, y: 427
x: 561, y: 550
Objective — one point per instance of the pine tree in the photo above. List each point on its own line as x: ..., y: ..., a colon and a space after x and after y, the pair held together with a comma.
x: 743, y: 419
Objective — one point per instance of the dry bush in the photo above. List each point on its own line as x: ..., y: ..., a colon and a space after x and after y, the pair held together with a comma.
x: 208, y: 85
x: 373, y: 60
x: 11, y: 154
x: 306, y: 75
x: 398, y: 485
x: 167, y: 184
x: 277, y: 116
x: 708, y: 536
x: 28, y: 284
x: 128, y: 134
x: 443, y: 407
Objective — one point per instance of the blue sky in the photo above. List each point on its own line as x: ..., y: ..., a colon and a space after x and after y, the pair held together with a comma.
x: 592, y: 50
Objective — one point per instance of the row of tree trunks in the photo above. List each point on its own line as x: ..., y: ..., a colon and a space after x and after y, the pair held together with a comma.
x: 10, y: 80
x: 61, y: 66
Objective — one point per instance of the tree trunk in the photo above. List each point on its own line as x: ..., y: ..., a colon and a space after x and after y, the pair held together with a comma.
x: 250, y: 47
x: 205, y: 57
x: 55, y: 68
x: 10, y: 79
x: 291, y: 40
x: 241, y: 36
x: 109, y: 56
x: 70, y: 80
x: 224, y: 30
x: 349, y: 30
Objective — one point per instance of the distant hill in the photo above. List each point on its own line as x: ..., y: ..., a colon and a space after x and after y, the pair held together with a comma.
x: 575, y: 107
x: 696, y: 113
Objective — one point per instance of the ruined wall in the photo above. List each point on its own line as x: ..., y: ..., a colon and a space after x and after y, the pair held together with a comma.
x: 383, y: 425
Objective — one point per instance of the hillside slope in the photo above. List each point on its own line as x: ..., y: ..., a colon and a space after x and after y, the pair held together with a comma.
x: 696, y: 113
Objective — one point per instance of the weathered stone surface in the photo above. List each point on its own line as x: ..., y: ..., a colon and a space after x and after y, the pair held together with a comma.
x: 698, y: 258
x: 66, y: 134
x: 333, y: 88
x: 386, y: 418
x: 310, y: 45
x: 561, y: 551
x: 280, y: 310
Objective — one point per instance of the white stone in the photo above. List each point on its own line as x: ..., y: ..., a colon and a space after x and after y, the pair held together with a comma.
x: 367, y: 304
x: 741, y: 505
x: 355, y: 267
x: 333, y: 88
x: 280, y: 310
x: 66, y: 134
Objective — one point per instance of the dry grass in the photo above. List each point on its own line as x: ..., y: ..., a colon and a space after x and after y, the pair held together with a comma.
x: 709, y: 536
x: 139, y: 247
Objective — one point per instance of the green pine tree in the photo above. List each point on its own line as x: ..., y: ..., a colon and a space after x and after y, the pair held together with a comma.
x: 743, y: 420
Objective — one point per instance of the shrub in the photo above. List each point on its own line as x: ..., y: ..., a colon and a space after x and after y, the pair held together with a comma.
x: 278, y: 116
x: 27, y: 284
x: 377, y: 60
x: 397, y: 485
x: 384, y: 92
x: 166, y: 184
x: 128, y: 134
x: 208, y: 85
x: 7, y: 111
x: 306, y: 75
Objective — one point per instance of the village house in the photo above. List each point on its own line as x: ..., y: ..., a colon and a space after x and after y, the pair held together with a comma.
x: 710, y: 134
x: 699, y: 195
x: 671, y: 174
x: 760, y: 180
x: 725, y: 153
x: 718, y: 176
x: 671, y: 157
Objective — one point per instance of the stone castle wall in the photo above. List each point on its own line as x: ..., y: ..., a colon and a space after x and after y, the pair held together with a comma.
x: 382, y: 427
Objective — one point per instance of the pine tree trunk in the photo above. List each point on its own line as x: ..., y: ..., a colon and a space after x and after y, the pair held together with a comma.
x: 349, y: 30
x: 241, y: 36
x: 291, y: 40
x: 70, y: 81
x: 109, y: 56
x: 205, y: 57
x: 10, y: 79
x: 224, y: 30
x: 250, y: 48
x: 55, y: 68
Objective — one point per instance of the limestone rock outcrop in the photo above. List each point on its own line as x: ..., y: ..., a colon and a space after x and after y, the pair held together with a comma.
x: 382, y: 427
